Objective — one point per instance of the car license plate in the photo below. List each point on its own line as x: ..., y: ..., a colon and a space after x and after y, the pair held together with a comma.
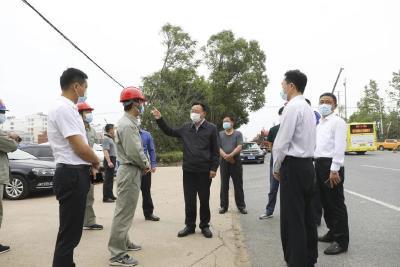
x: 251, y: 157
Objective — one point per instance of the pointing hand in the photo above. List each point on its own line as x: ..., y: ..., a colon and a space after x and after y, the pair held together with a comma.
x: 156, y: 114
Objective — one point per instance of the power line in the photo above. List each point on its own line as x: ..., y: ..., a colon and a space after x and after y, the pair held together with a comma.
x: 72, y: 43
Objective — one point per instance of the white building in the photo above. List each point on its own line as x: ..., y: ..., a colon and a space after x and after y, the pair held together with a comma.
x: 29, y: 128
x: 36, y: 124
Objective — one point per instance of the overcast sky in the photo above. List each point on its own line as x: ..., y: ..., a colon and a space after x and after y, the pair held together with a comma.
x: 317, y: 37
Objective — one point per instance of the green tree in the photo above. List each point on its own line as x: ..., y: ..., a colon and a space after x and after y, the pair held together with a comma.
x: 237, y: 79
x: 394, y: 90
x: 174, y: 87
x: 369, y: 106
x: 392, y: 125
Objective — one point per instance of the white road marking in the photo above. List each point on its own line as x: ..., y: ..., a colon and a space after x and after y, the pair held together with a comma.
x: 387, y: 205
x: 378, y: 167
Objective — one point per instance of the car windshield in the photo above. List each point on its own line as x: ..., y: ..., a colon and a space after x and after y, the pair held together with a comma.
x: 250, y: 146
x: 19, y: 154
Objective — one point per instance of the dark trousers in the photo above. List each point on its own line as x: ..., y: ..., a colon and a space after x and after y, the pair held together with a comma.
x: 332, y: 199
x: 273, y: 189
x: 71, y: 187
x: 108, y: 182
x: 147, y: 202
x: 235, y: 171
x: 298, y: 228
x: 197, y: 183
x: 317, y: 205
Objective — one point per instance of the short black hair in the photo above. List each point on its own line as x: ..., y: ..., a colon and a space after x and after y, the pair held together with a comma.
x: 298, y: 78
x: 230, y: 117
x: 308, y: 101
x: 330, y: 95
x: 197, y: 103
x: 70, y: 76
x: 280, y: 111
x: 108, y: 127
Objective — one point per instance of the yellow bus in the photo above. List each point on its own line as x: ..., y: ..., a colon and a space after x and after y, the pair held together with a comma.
x: 361, y: 137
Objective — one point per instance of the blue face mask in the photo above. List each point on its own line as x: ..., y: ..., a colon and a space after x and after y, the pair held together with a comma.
x: 2, y: 118
x: 325, y: 109
x: 284, y: 95
x: 227, y: 125
x: 82, y: 99
x: 88, y: 117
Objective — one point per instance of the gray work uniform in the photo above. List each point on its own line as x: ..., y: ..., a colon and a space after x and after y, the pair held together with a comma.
x: 6, y: 145
x: 90, y: 216
x: 133, y: 161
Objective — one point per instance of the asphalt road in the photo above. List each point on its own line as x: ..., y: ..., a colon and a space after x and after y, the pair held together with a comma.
x: 373, y: 201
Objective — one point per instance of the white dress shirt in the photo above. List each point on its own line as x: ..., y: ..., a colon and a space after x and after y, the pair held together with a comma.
x: 331, y: 140
x: 64, y: 121
x: 296, y: 135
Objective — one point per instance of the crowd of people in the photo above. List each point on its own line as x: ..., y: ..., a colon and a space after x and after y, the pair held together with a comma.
x: 307, y: 163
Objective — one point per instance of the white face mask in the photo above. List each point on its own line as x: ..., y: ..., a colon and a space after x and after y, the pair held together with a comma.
x: 284, y: 95
x: 139, y: 122
x: 195, y: 117
x: 2, y: 118
x: 325, y: 109
x: 88, y: 117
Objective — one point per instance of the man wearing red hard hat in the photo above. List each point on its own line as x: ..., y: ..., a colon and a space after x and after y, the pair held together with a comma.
x: 89, y: 222
x: 133, y: 164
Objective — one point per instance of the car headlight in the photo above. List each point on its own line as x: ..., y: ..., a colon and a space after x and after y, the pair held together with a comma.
x: 43, y: 171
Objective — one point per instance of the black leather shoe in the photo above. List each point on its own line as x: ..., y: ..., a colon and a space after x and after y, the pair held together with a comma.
x: 152, y: 217
x: 108, y: 200
x: 206, y: 232
x: 335, y: 249
x: 243, y: 211
x: 222, y: 210
x: 185, y: 232
x: 328, y: 238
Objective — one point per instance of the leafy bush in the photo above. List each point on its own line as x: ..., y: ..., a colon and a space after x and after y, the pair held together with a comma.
x: 170, y: 157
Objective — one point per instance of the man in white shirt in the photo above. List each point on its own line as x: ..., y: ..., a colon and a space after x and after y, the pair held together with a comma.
x: 329, y: 161
x: 74, y: 159
x: 293, y: 153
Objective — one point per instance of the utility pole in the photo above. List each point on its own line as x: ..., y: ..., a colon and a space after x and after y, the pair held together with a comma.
x: 380, y: 107
x: 337, y: 79
x: 345, y: 98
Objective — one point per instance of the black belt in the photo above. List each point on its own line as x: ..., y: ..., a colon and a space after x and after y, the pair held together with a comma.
x: 297, y: 158
x: 322, y: 158
x: 77, y: 167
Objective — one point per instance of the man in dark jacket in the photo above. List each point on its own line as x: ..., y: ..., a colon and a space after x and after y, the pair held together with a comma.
x: 200, y: 164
